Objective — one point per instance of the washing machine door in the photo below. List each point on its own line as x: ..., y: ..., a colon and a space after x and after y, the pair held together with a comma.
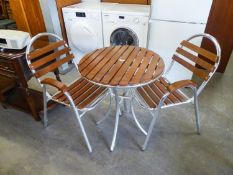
x: 83, y: 37
x: 124, y: 36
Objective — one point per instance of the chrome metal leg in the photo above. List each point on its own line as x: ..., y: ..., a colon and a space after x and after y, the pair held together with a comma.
x: 126, y: 108
x: 152, y: 124
x: 197, y: 112
x: 108, y: 112
x: 117, y: 101
x: 45, y: 119
x: 79, y: 121
x: 136, y: 120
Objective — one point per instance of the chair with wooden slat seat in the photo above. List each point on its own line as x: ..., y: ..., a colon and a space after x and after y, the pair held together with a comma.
x: 81, y: 95
x: 163, y: 94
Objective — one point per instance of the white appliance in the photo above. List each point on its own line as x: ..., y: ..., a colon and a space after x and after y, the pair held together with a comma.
x: 50, y: 15
x: 84, y: 28
x: 13, y: 39
x: 126, y: 24
x: 173, y: 21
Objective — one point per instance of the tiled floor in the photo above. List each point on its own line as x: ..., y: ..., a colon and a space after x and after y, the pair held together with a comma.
x: 26, y: 148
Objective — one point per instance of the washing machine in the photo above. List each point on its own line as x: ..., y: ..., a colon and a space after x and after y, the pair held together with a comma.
x: 126, y: 24
x: 84, y: 28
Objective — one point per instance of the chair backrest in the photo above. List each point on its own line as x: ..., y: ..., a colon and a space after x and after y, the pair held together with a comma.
x: 201, y: 62
x: 47, y: 58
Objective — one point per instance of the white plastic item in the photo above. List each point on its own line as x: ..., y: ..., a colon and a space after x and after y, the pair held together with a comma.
x: 173, y: 21
x: 191, y: 11
x: 14, y: 39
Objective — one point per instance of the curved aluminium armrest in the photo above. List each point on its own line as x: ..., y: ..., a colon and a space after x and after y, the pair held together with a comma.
x: 54, y: 83
x: 181, y: 84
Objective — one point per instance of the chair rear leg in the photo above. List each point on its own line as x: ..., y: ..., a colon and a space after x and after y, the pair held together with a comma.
x: 196, y: 106
x: 152, y: 124
x: 108, y: 112
x: 45, y: 119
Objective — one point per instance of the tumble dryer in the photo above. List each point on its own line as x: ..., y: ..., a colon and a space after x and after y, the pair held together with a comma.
x: 83, y: 24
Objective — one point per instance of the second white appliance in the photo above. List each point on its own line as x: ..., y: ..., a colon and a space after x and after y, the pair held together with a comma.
x: 173, y: 21
x: 83, y: 23
x: 126, y: 24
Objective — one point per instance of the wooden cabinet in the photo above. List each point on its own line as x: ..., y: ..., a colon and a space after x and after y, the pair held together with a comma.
x: 220, y: 25
x: 14, y: 91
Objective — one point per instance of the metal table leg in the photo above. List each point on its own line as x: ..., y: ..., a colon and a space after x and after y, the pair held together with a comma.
x: 117, y: 101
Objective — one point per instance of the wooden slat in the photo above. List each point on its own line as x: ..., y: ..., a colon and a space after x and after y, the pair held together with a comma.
x: 163, y: 88
x: 96, y: 61
x: 109, y: 65
x: 61, y: 96
x: 115, y: 68
x: 196, y: 71
x: 151, y: 68
x: 152, y: 95
x: 146, y: 98
x: 196, y: 59
x: 141, y: 68
x: 121, y: 73
x: 49, y: 58
x: 89, y: 59
x: 201, y: 51
x: 91, y: 98
x: 53, y: 66
x: 45, y: 49
x: 175, y: 94
x: 159, y: 92
x: 102, y: 63
x: 86, y: 94
x: 82, y: 90
x: 129, y: 74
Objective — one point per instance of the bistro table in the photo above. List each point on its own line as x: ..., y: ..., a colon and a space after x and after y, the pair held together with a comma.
x: 121, y: 67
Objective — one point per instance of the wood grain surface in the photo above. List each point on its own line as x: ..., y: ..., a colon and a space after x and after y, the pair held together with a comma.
x: 121, y: 66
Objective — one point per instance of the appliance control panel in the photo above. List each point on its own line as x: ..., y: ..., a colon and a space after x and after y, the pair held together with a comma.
x: 79, y: 15
x: 110, y: 18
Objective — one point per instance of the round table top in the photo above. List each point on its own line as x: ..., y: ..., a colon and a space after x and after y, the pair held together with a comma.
x: 121, y: 66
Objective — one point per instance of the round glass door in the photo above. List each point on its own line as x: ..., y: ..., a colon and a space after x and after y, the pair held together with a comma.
x: 124, y: 36
x: 83, y: 37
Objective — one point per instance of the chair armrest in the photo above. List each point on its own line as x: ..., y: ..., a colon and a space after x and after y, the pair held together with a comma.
x: 54, y: 83
x: 181, y: 84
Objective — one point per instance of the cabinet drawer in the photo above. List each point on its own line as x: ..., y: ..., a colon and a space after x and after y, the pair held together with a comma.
x: 6, y: 65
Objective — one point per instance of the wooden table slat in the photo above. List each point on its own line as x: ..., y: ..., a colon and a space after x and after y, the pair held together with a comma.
x: 121, y: 66
x: 151, y: 68
x: 89, y: 59
x: 102, y: 63
x: 115, y: 68
x: 108, y: 66
x: 95, y: 62
x: 141, y: 69
x: 121, y: 73
x: 125, y: 80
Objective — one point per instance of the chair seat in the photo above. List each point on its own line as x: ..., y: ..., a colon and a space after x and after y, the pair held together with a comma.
x: 152, y: 94
x: 82, y: 92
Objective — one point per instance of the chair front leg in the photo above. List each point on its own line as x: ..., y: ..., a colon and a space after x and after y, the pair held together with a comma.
x: 79, y: 121
x: 45, y: 118
x: 196, y: 106
x: 152, y: 124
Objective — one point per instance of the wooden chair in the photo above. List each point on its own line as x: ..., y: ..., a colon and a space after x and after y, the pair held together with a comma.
x: 81, y: 95
x: 163, y: 94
